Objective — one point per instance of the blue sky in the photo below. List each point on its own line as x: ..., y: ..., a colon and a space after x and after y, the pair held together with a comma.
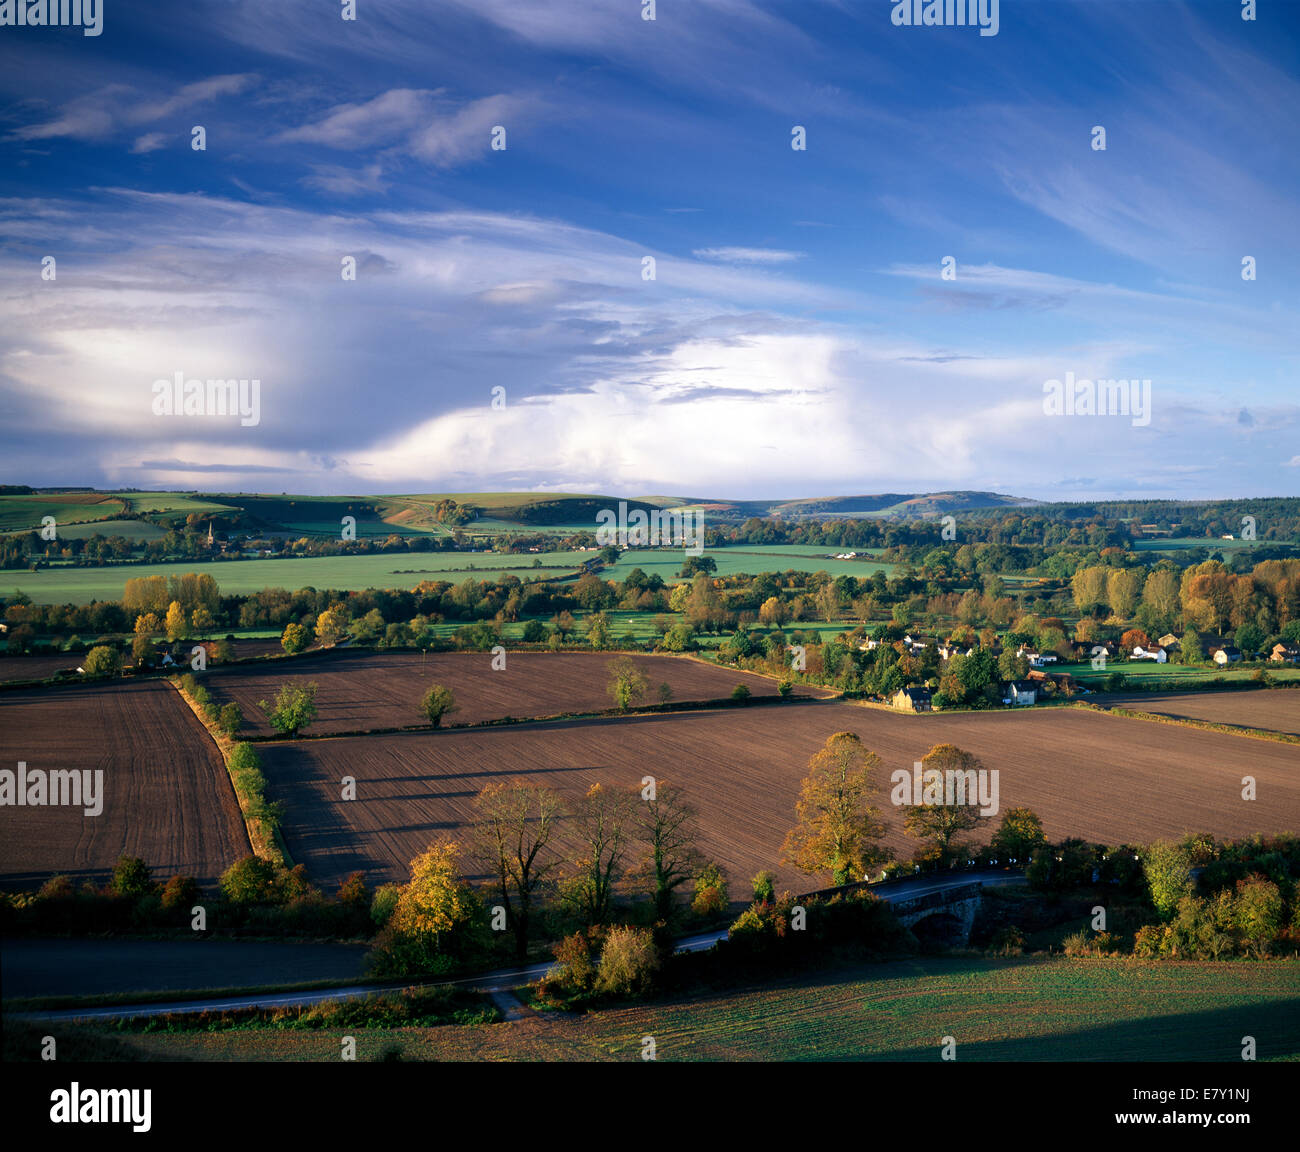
x: 797, y: 338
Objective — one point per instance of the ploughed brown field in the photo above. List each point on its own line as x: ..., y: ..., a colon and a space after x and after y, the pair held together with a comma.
x: 358, y: 691
x: 1087, y: 774
x: 1273, y: 709
x: 15, y: 668
x: 166, y: 795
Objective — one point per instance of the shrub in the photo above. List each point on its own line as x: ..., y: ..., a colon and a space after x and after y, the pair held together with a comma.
x: 130, y: 878
x: 764, y: 888
x: 1008, y: 941
x: 710, y: 891
x: 230, y: 719
x: 383, y: 904
x: 740, y: 693
x: 180, y: 892
x: 249, y: 881
x: 784, y: 689
x: 575, y: 965
x: 628, y: 962
x: 101, y: 661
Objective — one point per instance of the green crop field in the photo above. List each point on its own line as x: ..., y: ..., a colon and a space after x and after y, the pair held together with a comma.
x: 995, y: 1010
x: 1147, y: 675
x: 81, y: 585
x: 24, y: 513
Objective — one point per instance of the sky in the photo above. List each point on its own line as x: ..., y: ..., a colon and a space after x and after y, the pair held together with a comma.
x: 644, y: 287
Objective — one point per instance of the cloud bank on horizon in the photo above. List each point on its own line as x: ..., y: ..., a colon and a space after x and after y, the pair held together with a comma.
x: 481, y: 244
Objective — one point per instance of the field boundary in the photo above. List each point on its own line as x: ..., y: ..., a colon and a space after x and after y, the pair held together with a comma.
x: 553, y: 718
x: 264, y: 839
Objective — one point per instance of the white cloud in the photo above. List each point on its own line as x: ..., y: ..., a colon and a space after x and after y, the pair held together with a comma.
x: 747, y: 255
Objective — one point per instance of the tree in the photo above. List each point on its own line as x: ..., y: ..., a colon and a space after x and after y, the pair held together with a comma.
x: 332, y: 625
x: 838, y: 831
x: 1134, y: 638
x: 436, y: 917
x: 710, y: 890
x: 1168, y: 875
x: 177, y: 625
x: 101, y: 661
x: 666, y: 825
x: 201, y: 621
x: 511, y: 838
x: 438, y: 702
x: 602, y: 827
x: 249, y: 881
x: 764, y: 888
x: 940, y: 824
x: 293, y: 710
x: 1020, y: 832
x: 534, y: 632
x: 1011, y: 666
x: 627, y: 683
x: 1122, y: 586
x: 598, y: 631
x: 740, y: 694
x: 1189, y: 647
x: 294, y: 639
x: 130, y: 878
x: 230, y: 720
x: 628, y: 961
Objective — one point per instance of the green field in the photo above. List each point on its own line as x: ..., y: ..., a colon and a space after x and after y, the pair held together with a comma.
x: 732, y: 561
x: 81, y: 585
x: 1184, y: 543
x: 995, y: 1010
x: 1147, y: 675
x: 24, y: 513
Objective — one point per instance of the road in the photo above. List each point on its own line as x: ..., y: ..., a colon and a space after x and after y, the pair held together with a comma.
x: 500, y: 980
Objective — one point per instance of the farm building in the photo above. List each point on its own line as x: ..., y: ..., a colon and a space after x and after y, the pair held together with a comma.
x: 912, y: 700
x: 1227, y: 654
x: 1286, y: 653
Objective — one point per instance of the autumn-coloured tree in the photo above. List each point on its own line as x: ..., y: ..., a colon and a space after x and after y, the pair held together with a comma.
x: 437, y: 918
x: 332, y: 625
x: 838, y: 830
x: 1134, y: 638
x: 177, y: 625
x: 940, y: 824
x: 512, y: 840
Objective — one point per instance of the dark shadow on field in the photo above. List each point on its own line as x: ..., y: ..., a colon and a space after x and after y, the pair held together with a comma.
x: 1208, y: 1035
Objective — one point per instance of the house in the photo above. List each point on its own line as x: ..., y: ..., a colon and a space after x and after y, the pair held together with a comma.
x: 1286, y: 653
x: 912, y: 700
x: 949, y: 649
x: 1036, y: 659
x: 1227, y: 654
x: 1019, y: 693
x: 1159, y: 655
x: 1169, y: 642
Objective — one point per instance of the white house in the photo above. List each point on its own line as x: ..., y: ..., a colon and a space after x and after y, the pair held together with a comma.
x: 1159, y: 655
x: 1227, y: 654
x: 1018, y: 693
